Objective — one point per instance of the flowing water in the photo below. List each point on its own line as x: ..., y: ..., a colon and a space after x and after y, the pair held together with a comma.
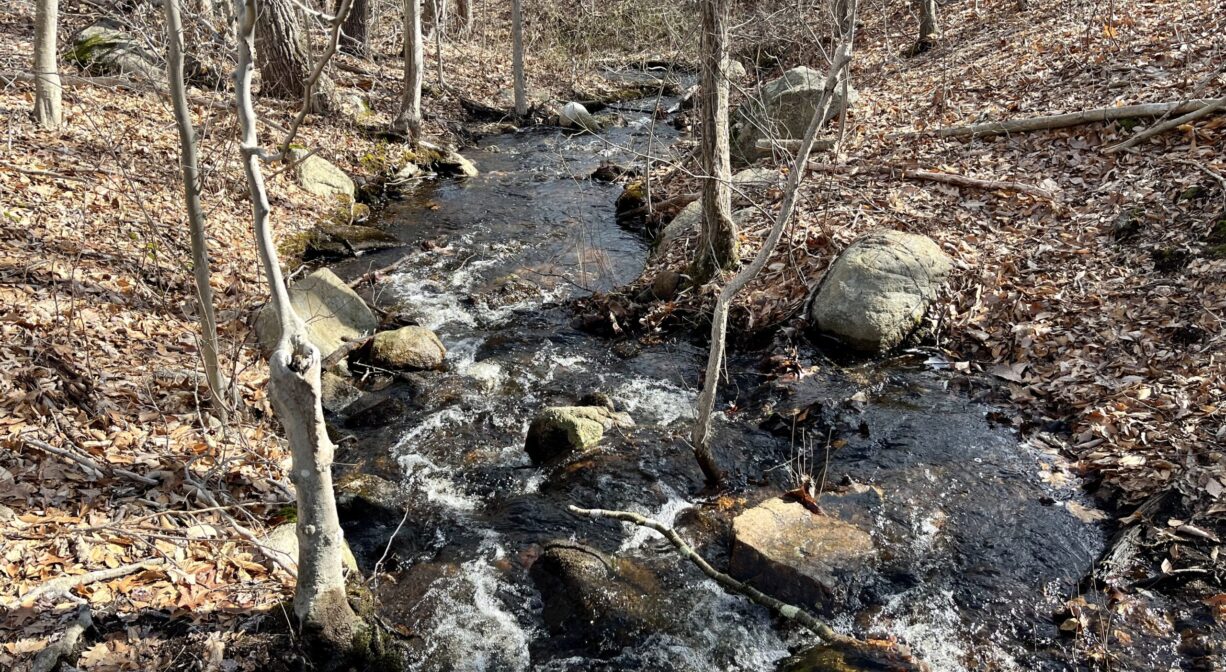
x: 976, y: 543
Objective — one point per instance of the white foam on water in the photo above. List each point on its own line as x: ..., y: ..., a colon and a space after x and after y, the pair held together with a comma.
x: 423, y: 474
x: 656, y: 400
x: 432, y: 304
x: 666, y: 514
x: 929, y: 623
x: 470, y: 627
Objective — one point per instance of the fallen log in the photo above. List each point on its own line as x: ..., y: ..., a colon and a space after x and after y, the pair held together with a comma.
x: 1168, y: 125
x: 1075, y: 118
x: 930, y: 176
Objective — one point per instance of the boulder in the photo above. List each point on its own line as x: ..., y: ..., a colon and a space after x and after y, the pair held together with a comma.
x: 282, y: 541
x: 445, y: 161
x: 333, y: 313
x: 596, y: 600
x: 575, y: 115
x: 736, y: 70
x: 560, y: 430
x: 876, y: 292
x: 795, y: 555
x: 346, y: 240
x: 320, y: 177
x: 753, y: 179
x: 782, y: 109
x: 689, y: 220
x: 410, y: 348
x: 104, y: 48
x: 337, y: 392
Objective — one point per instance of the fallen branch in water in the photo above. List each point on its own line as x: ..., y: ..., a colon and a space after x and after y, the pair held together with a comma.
x: 930, y: 176
x: 1074, y: 118
x: 790, y: 612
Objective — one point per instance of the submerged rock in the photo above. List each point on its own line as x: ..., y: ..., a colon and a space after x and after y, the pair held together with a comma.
x: 411, y: 348
x: 787, y: 551
x: 869, y: 657
x: 320, y: 176
x: 782, y: 109
x: 560, y: 430
x: 333, y: 313
x: 601, y: 601
x: 878, y: 289
x: 337, y: 392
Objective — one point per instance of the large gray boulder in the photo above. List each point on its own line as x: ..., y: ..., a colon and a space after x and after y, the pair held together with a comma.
x: 795, y: 555
x: 333, y: 313
x: 558, y: 431
x: 876, y: 292
x: 104, y: 48
x: 597, y: 600
x: 411, y: 348
x: 782, y: 109
x: 575, y: 115
x: 320, y: 177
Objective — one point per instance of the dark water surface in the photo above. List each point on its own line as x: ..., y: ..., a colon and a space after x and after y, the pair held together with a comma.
x: 976, y: 544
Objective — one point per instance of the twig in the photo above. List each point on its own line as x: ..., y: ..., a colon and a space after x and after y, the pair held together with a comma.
x: 282, y: 559
x: 1074, y: 118
x: 947, y: 178
x: 59, y: 587
x: 1168, y: 125
x: 42, y: 173
x: 89, y: 463
x: 50, y: 657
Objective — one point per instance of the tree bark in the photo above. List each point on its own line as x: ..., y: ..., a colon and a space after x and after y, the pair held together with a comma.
x: 354, y: 38
x: 464, y: 8
x: 190, y: 165
x: 927, y: 26
x: 409, y: 119
x: 717, y: 248
x: 700, y: 437
x: 320, y: 601
x: 517, y: 46
x: 284, y: 62
x: 48, y: 109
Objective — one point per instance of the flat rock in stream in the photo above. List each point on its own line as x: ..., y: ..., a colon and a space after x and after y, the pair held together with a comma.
x: 878, y: 289
x: 411, y: 348
x: 558, y: 431
x: 602, y: 601
x: 333, y: 313
x: 798, y: 556
x: 445, y: 161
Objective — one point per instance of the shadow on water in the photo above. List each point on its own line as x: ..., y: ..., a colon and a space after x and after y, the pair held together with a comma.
x: 975, y: 549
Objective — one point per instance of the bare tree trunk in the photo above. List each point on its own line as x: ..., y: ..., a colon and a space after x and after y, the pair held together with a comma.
x: 355, y: 40
x: 409, y: 119
x: 285, y: 64
x: 320, y: 601
x: 717, y: 247
x: 465, y: 10
x: 439, y: 10
x: 927, y: 26
x: 48, y: 111
x: 189, y: 163
x: 517, y: 45
x: 700, y: 437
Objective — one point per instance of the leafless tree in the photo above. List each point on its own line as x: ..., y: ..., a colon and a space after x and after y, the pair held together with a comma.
x: 928, y: 26
x: 717, y: 247
x: 190, y: 165
x: 517, y: 46
x: 284, y: 58
x: 408, y: 121
x: 48, y: 111
x: 464, y: 9
x: 354, y: 39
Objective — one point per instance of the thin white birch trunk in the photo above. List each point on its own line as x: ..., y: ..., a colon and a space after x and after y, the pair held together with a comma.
x: 190, y: 165
x: 320, y: 600
x: 48, y: 109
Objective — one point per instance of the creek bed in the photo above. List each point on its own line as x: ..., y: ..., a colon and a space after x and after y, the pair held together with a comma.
x: 977, y: 547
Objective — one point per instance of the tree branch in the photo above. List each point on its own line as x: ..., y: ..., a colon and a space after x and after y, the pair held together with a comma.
x: 1168, y: 125
x: 1075, y: 118
x: 947, y: 178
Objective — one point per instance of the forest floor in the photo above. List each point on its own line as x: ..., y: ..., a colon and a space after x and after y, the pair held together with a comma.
x: 111, y: 461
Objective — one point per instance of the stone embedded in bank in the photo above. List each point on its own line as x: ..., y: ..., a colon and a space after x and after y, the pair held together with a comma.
x: 333, y: 313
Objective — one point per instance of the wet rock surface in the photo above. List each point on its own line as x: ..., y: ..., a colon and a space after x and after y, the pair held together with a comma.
x: 412, y: 348
x: 561, y: 430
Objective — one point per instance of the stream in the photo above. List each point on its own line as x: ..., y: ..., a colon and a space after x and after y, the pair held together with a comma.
x: 977, y: 541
